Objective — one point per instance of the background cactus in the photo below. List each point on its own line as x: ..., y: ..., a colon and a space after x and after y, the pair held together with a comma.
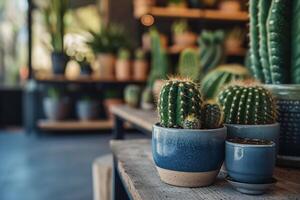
x: 132, y: 95
x: 189, y: 66
x: 248, y: 104
x: 295, y: 62
x: 212, y: 116
x: 147, y: 99
x: 123, y: 54
x: 178, y: 99
x: 159, y: 59
x: 222, y: 75
x: 211, y: 49
x: 192, y: 122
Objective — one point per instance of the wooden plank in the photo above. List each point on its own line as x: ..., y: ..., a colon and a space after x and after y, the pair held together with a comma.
x: 74, y: 125
x: 199, y: 14
x: 143, y: 118
x: 139, y: 175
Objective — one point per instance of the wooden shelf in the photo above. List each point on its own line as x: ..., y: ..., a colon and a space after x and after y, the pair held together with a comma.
x: 83, y: 79
x: 208, y: 14
x: 74, y: 125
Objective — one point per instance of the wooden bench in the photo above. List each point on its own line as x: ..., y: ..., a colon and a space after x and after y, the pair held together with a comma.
x: 135, y: 177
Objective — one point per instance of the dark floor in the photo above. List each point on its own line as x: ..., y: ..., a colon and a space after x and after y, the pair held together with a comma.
x: 52, y: 167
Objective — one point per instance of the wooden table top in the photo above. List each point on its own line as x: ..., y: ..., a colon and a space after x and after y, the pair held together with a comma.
x: 143, y: 118
x: 137, y: 170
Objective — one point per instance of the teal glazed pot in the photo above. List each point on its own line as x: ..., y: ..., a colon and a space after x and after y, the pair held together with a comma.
x: 288, y: 102
x: 188, y: 157
x: 263, y: 132
x: 250, y: 163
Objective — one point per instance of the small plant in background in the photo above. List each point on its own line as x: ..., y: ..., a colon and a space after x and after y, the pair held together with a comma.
x: 123, y: 65
x: 123, y: 54
x: 189, y: 65
x: 177, y: 3
x: 180, y: 27
x: 139, y: 54
x: 180, y: 105
x: 54, y: 93
x: 140, y: 65
x: 211, y: 49
x: 182, y: 35
x: 235, y: 39
x: 147, y: 102
x: 248, y: 104
x: 132, y: 95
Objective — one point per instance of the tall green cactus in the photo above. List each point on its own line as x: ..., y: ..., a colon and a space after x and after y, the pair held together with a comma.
x: 178, y: 99
x: 159, y: 59
x: 247, y: 104
x: 278, y: 34
x: 222, y: 75
x: 189, y: 66
x: 211, y: 49
x: 212, y: 116
x: 295, y: 62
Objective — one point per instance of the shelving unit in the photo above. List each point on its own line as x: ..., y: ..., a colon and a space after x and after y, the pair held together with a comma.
x: 68, y: 125
x: 205, y: 14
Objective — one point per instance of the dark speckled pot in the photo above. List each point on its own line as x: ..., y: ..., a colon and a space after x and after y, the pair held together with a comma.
x: 187, y: 157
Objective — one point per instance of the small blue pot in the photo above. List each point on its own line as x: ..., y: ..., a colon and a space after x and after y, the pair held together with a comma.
x: 250, y: 163
x: 263, y: 132
x: 188, y: 157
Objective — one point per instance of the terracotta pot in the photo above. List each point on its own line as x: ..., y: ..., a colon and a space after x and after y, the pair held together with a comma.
x: 233, y: 45
x: 146, y: 40
x: 123, y: 69
x: 230, y: 6
x: 105, y: 64
x: 108, y: 104
x: 187, y: 39
x: 140, y: 70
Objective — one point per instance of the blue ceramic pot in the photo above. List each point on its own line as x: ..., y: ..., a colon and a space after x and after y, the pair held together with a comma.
x: 59, y: 62
x: 250, y: 163
x: 188, y: 157
x: 263, y: 132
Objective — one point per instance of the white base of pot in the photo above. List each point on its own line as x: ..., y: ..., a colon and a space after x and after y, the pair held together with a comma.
x: 187, y: 179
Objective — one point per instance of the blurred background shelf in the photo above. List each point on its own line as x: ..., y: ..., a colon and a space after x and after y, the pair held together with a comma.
x: 207, y: 14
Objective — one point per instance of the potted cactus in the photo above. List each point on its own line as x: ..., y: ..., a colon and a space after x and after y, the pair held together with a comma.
x: 54, y: 16
x: 188, y: 143
x: 132, y: 95
x: 215, y: 80
x: 140, y: 66
x: 123, y: 65
x: 87, y: 109
x: 182, y: 36
x: 56, y: 107
x: 249, y: 112
x: 176, y: 3
x: 147, y: 101
x: 275, y: 61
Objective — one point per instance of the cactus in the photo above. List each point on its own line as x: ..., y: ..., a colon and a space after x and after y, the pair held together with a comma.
x: 180, y: 26
x: 159, y: 62
x: 189, y: 66
x: 192, y: 122
x: 178, y: 99
x: 222, y: 75
x: 211, y: 49
x: 139, y: 54
x: 123, y: 54
x: 132, y: 95
x: 212, y: 116
x: 295, y: 69
x: 247, y: 104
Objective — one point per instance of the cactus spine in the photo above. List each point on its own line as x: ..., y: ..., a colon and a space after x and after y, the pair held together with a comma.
x: 212, y: 116
x: 189, y: 66
x: 192, y: 122
x: 243, y: 104
x: 295, y: 70
x: 178, y: 99
x: 222, y: 75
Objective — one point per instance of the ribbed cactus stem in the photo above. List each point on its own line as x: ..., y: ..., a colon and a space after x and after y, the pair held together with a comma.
x: 189, y: 66
x: 248, y: 104
x: 178, y: 98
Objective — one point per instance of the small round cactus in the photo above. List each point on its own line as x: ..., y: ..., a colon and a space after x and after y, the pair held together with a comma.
x: 212, y: 116
x: 192, y: 122
x: 178, y: 99
x: 248, y: 104
x: 132, y: 95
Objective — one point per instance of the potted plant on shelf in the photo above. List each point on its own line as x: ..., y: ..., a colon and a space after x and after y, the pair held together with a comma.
x: 140, y: 66
x: 230, y: 5
x: 249, y: 112
x: 235, y: 39
x: 147, y: 101
x: 87, y: 109
x: 244, y: 175
x: 56, y: 106
x: 54, y: 17
x: 132, y: 95
x: 111, y: 98
x: 176, y: 3
x: 123, y: 65
x: 182, y: 36
x: 275, y: 62
x: 189, y: 142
